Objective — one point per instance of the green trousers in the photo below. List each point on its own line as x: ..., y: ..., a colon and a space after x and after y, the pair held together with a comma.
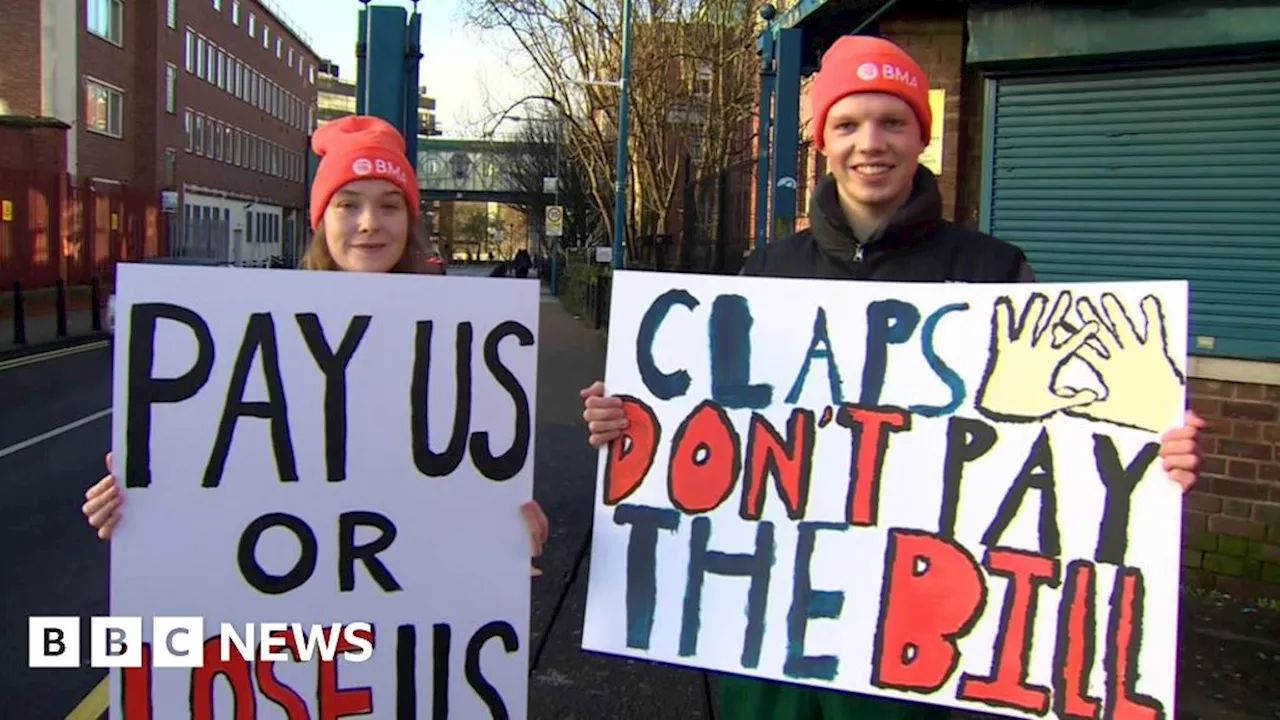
x: 743, y: 698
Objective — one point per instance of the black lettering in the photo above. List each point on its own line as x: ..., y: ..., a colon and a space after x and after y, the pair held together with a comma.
x: 967, y: 440
x: 506, y: 465
x: 441, y: 646
x: 475, y: 678
x: 259, y: 336
x: 334, y: 366
x: 406, y: 674
x: 429, y: 463
x: 1037, y: 473
x: 349, y: 552
x: 145, y: 390
x: 1120, y: 480
x: 261, y: 580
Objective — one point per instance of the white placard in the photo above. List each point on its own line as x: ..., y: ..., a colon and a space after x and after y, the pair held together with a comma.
x: 415, y: 444
x: 827, y: 482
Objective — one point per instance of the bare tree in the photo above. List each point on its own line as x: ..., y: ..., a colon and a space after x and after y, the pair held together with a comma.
x: 692, y: 90
x: 542, y: 155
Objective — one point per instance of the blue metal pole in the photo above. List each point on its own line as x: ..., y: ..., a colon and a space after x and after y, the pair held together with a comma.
x: 786, y: 132
x: 624, y: 108
x: 762, y: 139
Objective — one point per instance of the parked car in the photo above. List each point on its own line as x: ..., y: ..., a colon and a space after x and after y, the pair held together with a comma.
x: 198, y: 261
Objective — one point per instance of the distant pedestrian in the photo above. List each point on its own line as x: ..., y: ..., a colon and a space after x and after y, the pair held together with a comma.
x: 522, y: 263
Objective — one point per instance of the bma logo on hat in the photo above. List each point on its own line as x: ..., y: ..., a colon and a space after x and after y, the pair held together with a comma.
x: 868, y: 71
x: 898, y: 74
x: 362, y: 166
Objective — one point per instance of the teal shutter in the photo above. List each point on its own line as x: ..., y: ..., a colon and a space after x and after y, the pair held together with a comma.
x: 1150, y: 175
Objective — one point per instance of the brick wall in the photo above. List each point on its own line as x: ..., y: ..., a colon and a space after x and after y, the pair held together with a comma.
x: 1231, y: 530
x: 19, y: 83
x: 27, y: 144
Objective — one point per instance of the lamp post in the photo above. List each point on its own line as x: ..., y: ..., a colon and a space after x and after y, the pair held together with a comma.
x: 624, y: 110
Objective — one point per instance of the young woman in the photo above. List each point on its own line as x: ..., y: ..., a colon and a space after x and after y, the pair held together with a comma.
x: 364, y: 208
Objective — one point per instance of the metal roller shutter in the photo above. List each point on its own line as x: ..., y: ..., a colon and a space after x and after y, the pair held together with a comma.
x: 1158, y: 174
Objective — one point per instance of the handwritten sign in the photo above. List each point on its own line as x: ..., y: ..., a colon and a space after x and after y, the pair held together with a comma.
x: 311, y: 447
x: 918, y: 491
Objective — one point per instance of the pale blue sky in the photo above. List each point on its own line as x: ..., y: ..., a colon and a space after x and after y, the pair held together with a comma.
x: 458, y: 65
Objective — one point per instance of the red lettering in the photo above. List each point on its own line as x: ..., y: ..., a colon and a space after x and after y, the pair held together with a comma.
x: 1073, y: 658
x: 705, y: 460
x: 870, y: 428
x: 932, y: 596
x: 632, y: 453
x: 790, y: 463
x: 1006, y: 686
x: 1125, y: 638
x: 274, y: 690
x: 135, y: 688
x: 336, y: 702
x: 235, y: 670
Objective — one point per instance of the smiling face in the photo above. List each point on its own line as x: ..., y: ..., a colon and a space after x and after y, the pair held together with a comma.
x: 872, y: 143
x: 366, y: 226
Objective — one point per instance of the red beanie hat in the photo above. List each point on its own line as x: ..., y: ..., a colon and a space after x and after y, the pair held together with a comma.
x: 861, y: 64
x: 360, y: 147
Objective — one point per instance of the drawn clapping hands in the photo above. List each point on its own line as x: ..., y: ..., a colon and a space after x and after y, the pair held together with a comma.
x: 1027, y: 355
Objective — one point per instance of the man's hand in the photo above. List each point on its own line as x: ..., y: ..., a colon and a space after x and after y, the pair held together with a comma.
x: 604, y: 415
x: 1141, y: 380
x: 1024, y: 362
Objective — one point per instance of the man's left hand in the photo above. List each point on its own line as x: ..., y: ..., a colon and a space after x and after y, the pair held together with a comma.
x: 1180, y: 451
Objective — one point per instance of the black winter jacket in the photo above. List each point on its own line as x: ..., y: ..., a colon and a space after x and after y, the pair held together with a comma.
x: 916, y: 245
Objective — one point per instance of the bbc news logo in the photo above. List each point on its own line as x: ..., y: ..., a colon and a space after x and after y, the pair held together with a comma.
x: 55, y: 642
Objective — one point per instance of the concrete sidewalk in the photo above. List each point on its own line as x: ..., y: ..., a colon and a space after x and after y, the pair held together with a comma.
x: 42, y: 330
x: 1229, y: 651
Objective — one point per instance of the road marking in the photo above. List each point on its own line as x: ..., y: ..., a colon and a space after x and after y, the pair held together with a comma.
x: 94, y: 704
x: 54, y: 433
x: 51, y: 355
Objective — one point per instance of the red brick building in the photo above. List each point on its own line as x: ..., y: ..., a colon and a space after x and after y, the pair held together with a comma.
x: 204, y: 105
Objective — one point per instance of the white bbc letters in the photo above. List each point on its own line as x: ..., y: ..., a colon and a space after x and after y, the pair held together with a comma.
x: 177, y: 642
x: 53, y: 642
x: 115, y: 641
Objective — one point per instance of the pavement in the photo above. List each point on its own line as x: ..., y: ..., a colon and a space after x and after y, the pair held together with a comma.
x: 1229, y: 666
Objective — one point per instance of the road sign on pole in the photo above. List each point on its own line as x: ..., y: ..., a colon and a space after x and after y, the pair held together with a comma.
x: 555, y: 221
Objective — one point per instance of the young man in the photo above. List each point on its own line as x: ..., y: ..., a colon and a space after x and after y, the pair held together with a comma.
x: 877, y: 216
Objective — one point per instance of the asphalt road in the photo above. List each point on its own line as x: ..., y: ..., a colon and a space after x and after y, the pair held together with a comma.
x: 54, y: 565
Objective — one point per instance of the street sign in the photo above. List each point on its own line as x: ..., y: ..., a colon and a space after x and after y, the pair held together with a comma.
x: 555, y: 221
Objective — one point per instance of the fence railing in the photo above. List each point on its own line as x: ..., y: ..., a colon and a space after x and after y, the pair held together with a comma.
x: 52, y: 228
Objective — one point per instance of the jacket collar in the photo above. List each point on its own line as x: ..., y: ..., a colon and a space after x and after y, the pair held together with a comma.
x: 914, y: 222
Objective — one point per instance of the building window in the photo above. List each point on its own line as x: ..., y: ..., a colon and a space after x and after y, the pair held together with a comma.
x: 290, y: 58
x: 105, y: 18
x: 217, y: 5
x: 187, y: 130
x: 266, y: 37
x: 217, y: 139
x: 279, y: 48
x: 172, y: 9
x: 253, y: 24
x: 170, y: 166
x: 200, y: 57
x: 311, y: 73
x: 170, y: 84
x: 235, y: 12
x: 199, y: 135
x: 228, y: 144
x: 211, y: 59
x: 191, y: 51
x: 103, y: 108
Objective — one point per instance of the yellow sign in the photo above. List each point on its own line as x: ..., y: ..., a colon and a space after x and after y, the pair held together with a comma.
x: 6, y: 210
x: 115, y: 221
x: 932, y: 155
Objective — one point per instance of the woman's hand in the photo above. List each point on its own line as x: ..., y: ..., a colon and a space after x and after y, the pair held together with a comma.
x: 1180, y: 451
x: 102, y: 507
x: 539, y: 529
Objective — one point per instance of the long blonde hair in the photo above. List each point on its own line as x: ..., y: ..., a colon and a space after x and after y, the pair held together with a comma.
x: 412, y: 260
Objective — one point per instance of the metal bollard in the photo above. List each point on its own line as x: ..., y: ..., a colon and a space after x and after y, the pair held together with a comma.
x: 19, y: 317
x: 61, y: 300
x: 95, y: 300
